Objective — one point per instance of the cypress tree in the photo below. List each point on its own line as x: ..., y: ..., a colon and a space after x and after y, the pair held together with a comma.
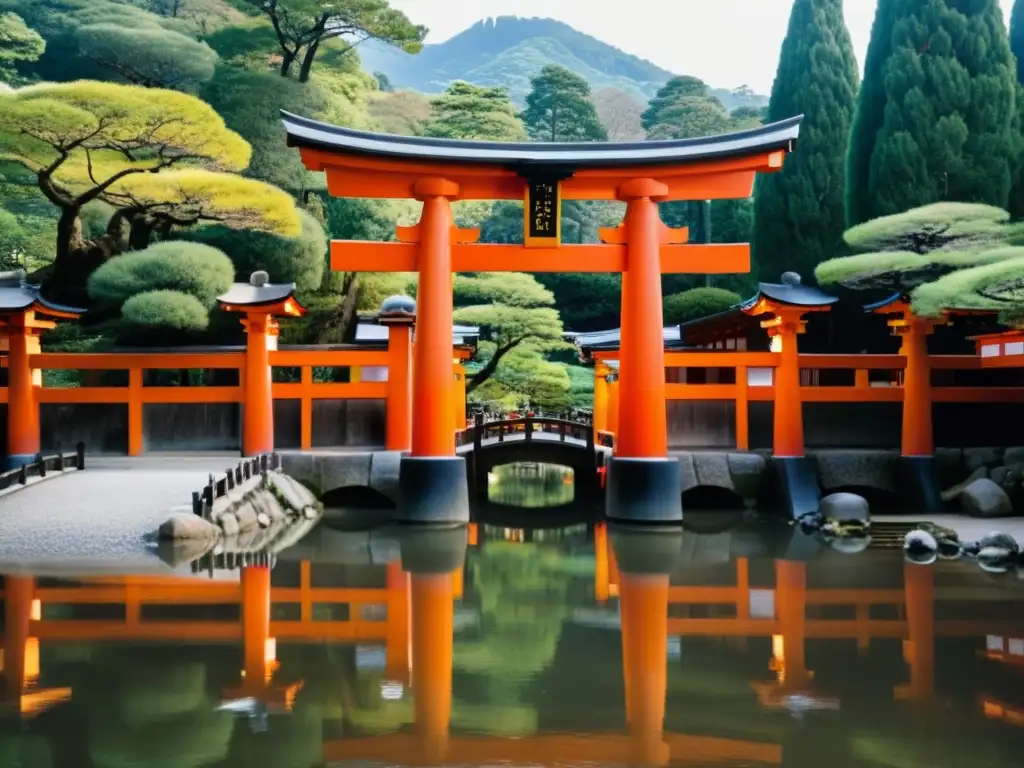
x: 798, y: 212
x: 944, y: 100
x: 867, y: 117
x: 1016, y: 202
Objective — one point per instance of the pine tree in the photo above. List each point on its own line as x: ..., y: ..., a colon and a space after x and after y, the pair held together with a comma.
x: 559, y: 108
x: 937, y: 116
x: 798, y: 212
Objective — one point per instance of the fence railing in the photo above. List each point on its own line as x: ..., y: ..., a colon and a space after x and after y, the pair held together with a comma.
x: 43, y: 464
x: 202, y: 501
x: 866, y: 378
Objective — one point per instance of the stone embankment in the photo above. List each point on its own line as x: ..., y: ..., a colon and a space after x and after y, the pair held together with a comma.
x: 267, y: 512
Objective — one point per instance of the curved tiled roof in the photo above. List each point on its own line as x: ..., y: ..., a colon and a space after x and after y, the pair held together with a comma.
x: 16, y: 295
x: 303, y: 132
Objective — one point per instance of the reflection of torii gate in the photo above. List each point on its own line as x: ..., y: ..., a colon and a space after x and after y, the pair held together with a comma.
x: 643, y: 483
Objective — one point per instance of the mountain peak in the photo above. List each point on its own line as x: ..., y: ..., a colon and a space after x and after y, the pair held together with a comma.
x: 510, y: 50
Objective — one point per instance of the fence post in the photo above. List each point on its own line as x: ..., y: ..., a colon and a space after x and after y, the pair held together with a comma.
x: 23, y: 474
x: 229, y: 476
x: 197, y: 504
x: 478, y: 431
x: 561, y: 430
x: 80, y: 450
x: 42, y: 464
x: 60, y: 458
x: 528, y: 429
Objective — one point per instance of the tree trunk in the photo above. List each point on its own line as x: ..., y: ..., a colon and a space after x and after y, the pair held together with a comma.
x: 287, y: 59
x: 69, y: 233
x: 141, y: 233
x: 492, y: 365
x: 307, y: 60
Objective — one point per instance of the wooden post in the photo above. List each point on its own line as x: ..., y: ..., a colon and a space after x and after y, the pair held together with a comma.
x: 917, y: 436
x: 643, y: 432
x: 399, y: 403
x: 919, y: 648
x: 256, y: 626
x: 22, y: 407
x: 432, y: 368
x: 791, y: 609
x: 601, y: 372
x: 80, y: 450
x: 459, y: 396
x: 258, y: 406
x: 788, y: 422
x: 612, y: 418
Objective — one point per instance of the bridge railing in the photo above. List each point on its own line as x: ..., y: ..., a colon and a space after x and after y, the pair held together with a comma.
x: 43, y: 463
x: 528, y: 427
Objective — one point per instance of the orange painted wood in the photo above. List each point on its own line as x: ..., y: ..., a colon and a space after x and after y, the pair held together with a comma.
x: 361, y: 390
x: 742, y: 410
x: 92, y: 361
x: 328, y: 358
x: 135, y: 430
x: 306, y: 408
x: 361, y: 256
x: 379, y: 177
x: 192, y: 394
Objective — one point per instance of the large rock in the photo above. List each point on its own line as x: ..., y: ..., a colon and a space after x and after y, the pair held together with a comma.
x: 844, y: 506
x: 185, y: 526
x: 983, y: 498
x: 858, y: 468
x: 949, y: 462
x: 713, y: 469
x: 953, y: 493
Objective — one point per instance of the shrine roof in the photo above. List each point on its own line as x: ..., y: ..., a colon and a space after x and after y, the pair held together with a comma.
x: 370, y: 332
x: 303, y: 132
x: 16, y: 295
x: 612, y: 338
x: 792, y: 292
x: 258, y: 292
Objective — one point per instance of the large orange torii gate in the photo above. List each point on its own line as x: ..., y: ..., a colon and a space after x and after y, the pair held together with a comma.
x: 643, y: 483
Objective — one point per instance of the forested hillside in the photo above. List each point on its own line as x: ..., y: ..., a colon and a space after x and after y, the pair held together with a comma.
x: 508, y: 51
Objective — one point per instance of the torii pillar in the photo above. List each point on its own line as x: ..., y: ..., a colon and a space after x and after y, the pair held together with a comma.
x: 432, y: 557
x: 24, y: 316
x: 260, y: 303
x: 918, y: 480
x: 398, y: 313
x: 788, y: 303
x: 647, y: 559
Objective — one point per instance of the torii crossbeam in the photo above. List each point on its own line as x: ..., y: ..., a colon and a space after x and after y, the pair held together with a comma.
x: 642, y: 483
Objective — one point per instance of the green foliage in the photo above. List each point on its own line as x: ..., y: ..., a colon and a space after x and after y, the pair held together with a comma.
x: 619, y: 113
x: 683, y: 109
x: 697, y: 303
x: 402, y: 112
x: 512, y: 310
x: 939, y: 110
x: 940, y: 226
x: 303, y: 26
x: 676, y: 88
x: 901, y: 252
x: 152, y: 57
x: 166, y: 309
x: 1017, y: 37
x: 18, y: 43
x: 195, y: 269
x: 559, y: 108
x: 798, y: 212
x: 298, y: 260
x: 995, y: 286
x: 467, y: 111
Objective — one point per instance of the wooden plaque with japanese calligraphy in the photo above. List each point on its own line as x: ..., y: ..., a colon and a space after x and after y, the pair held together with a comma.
x: 542, y: 227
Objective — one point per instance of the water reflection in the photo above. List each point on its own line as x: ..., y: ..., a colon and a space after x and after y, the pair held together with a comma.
x: 530, y: 485
x: 483, y: 644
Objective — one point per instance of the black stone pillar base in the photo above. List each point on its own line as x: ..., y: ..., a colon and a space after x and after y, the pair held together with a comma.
x: 797, y: 489
x: 433, y: 490
x: 646, y: 550
x: 432, y: 549
x: 644, y: 491
x: 918, y: 483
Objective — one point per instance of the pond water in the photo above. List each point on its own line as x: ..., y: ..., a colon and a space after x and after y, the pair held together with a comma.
x: 537, y: 636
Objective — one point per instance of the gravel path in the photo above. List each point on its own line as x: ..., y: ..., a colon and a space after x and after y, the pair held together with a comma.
x: 97, y: 516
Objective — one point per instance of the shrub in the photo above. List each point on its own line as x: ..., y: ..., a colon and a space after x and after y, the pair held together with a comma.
x: 697, y: 303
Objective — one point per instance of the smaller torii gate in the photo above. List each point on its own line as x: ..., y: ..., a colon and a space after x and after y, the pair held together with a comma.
x: 643, y: 483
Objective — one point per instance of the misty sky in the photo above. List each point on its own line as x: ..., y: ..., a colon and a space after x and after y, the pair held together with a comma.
x: 726, y: 43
